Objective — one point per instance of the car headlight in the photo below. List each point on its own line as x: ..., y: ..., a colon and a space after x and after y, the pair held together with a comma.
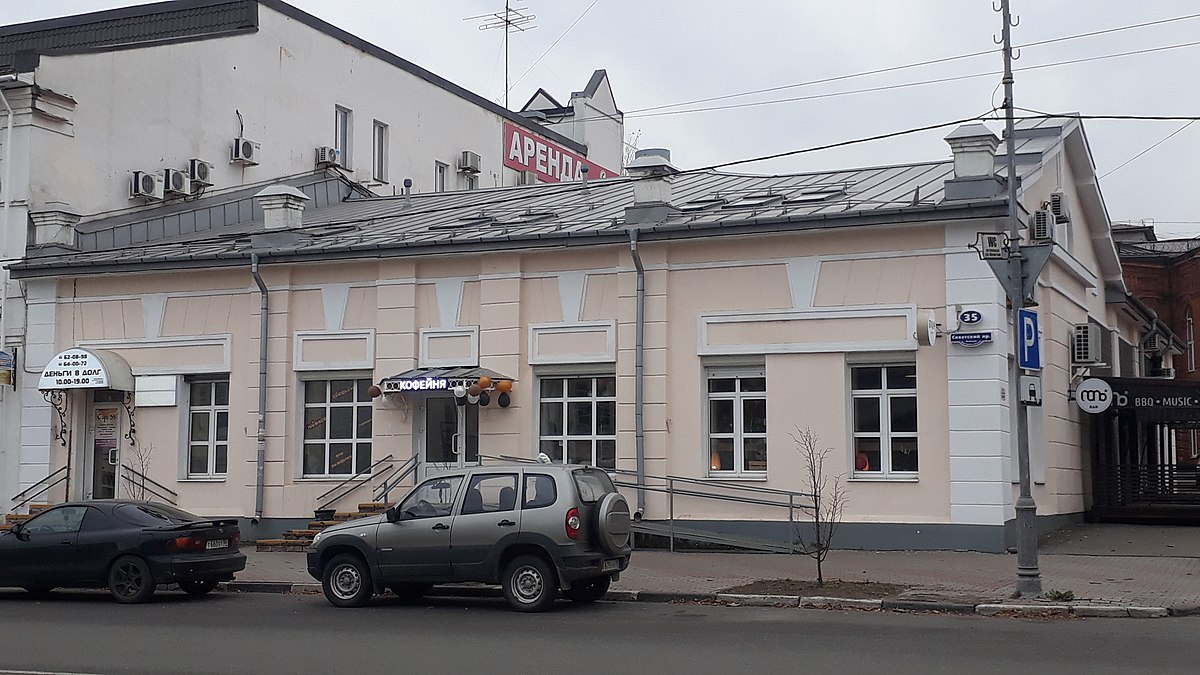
x: 317, y: 538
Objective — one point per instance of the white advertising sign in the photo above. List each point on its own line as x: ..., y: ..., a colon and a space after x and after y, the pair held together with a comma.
x: 1093, y: 395
x: 74, y: 369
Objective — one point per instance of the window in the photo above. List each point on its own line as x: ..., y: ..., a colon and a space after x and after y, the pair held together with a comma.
x: 63, y: 520
x: 1191, y: 342
x: 208, y: 429
x: 540, y: 491
x: 470, y: 181
x: 439, y: 176
x: 490, y: 493
x: 431, y: 499
x: 884, y: 400
x: 737, y: 421
x: 379, y: 148
x: 343, y: 130
x: 577, y: 418
x: 337, y: 427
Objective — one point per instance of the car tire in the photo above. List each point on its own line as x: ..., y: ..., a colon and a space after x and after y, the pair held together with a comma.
x: 588, y: 590
x: 346, y: 581
x: 198, y: 587
x: 410, y: 592
x: 130, y: 580
x: 612, y: 523
x: 530, y: 584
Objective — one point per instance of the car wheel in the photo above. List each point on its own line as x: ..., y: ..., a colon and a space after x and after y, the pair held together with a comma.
x: 39, y: 591
x: 198, y: 587
x: 130, y: 580
x: 530, y: 584
x: 347, y: 581
x: 410, y: 592
x: 589, y: 590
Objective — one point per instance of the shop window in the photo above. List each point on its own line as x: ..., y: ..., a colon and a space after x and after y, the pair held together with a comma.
x: 577, y: 420
x: 343, y: 133
x: 208, y: 429
x: 884, y: 404
x: 736, y: 421
x: 379, y: 148
x: 337, y: 427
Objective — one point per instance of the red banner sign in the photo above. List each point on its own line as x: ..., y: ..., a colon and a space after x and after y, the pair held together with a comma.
x: 525, y: 151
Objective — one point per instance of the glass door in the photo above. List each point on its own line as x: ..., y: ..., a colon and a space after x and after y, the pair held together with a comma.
x: 451, y: 435
x: 103, y: 454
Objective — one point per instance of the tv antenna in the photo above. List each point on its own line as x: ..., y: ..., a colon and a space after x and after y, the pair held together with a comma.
x: 512, y: 19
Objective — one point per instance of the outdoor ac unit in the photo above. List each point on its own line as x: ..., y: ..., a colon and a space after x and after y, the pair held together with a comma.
x: 1164, y: 373
x: 1155, y: 343
x: 244, y: 151
x: 176, y: 182
x: 1041, y: 226
x: 327, y: 156
x: 1058, y: 207
x: 200, y: 172
x: 146, y: 184
x: 469, y: 162
x: 1086, y: 343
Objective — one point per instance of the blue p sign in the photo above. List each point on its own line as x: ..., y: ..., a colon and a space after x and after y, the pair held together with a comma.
x: 1029, y: 354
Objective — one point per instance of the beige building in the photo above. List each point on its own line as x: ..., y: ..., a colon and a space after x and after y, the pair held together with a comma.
x: 683, y: 324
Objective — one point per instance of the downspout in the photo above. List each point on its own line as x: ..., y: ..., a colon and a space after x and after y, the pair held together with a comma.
x: 260, y: 479
x: 639, y: 376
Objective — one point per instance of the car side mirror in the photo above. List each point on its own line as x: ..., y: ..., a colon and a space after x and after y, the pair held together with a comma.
x: 391, y: 514
x: 19, y: 532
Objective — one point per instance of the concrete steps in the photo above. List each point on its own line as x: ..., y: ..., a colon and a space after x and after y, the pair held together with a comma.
x: 8, y: 520
x: 298, y: 540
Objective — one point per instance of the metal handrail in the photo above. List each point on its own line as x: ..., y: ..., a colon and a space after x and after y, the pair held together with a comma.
x: 709, y: 483
x: 42, y: 491
x: 144, y: 479
x: 398, y: 475
x: 325, y: 503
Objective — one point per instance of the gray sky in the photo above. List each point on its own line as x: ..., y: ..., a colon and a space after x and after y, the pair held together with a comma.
x: 674, y: 51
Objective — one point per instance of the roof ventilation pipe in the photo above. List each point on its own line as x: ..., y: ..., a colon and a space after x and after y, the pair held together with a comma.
x: 653, y: 175
x: 974, y: 147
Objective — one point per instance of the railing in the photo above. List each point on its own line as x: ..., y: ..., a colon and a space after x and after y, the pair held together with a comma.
x: 27, y: 497
x: 393, y: 477
x: 1126, y: 484
x: 147, y: 485
x: 324, y: 501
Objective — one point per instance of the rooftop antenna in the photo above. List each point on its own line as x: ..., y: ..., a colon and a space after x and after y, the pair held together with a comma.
x: 513, y: 19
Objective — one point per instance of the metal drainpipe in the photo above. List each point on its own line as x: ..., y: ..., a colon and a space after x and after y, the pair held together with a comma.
x: 638, y: 377
x: 260, y: 480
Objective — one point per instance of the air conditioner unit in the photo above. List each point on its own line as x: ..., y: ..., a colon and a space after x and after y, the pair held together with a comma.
x: 1058, y: 207
x: 244, y: 151
x: 469, y: 162
x: 1041, y: 226
x: 1086, y: 347
x: 1164, y: 373
x: 146, y: 184
x: 327, y: 156
x: 1155, y: 343
x: 176, y: 182
x: 200, y: 172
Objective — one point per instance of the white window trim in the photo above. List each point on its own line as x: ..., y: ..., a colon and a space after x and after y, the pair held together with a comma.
x: 885, y: 434
x: 211, y: 474
x: 1191, y: 342
x: 441, y: 171
x: 558, y: 374
x: 739, y: 371
x: 325, y: 376
x: 344, y: 144
x: 379, y: 151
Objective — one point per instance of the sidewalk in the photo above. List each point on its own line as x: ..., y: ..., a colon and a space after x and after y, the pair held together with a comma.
x: 1105, y: 566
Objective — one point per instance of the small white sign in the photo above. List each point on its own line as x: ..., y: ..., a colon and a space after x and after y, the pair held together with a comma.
x: 74, y: 369
x: 991, y: 245
x: 1093, y: 395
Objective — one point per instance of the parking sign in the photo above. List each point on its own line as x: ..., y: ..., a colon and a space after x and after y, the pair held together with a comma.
x: 1029, y: 354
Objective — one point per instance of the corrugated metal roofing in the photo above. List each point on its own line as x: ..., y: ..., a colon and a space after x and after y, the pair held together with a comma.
x: 1157, y: 249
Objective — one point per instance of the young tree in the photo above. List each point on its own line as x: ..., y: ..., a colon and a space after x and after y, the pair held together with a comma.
x: 134, y: 483
x: 828, y: 500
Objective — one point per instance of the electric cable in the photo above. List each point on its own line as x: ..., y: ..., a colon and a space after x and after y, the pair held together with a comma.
x: 552, y: 45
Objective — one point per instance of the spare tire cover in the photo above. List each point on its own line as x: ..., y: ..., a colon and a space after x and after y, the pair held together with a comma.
x: 612, y: 522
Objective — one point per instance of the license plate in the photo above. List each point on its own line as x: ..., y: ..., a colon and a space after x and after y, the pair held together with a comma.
x: 217, y: 543
x: 610, y: 566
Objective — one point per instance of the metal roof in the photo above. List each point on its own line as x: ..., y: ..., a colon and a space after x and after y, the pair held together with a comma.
x: 1173, y: 248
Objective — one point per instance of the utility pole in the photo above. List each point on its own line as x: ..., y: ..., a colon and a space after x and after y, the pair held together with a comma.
x: 513, y: 18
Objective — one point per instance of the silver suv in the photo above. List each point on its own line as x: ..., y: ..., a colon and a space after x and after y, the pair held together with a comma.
x: 535, y: 529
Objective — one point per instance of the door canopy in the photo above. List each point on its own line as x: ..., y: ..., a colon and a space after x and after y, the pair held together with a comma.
x: 80, y: 368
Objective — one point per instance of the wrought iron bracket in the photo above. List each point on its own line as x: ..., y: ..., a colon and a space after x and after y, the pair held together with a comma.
x: 58, y: 399
x: 130, y: 435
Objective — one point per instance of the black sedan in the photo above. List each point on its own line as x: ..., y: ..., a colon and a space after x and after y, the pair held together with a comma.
x: 130, y: 547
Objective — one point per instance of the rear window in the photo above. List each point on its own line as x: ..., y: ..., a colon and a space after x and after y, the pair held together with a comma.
x: 592, y: 484
x: 153, y: 515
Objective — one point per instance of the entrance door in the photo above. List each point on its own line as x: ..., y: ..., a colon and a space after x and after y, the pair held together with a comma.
x: 103, y: 450
x: 451, y: 435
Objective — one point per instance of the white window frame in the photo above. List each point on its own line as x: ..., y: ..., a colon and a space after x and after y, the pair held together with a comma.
x: 343, y: 133
x: 885, y: 435
x: 738, y: 435
x: 470, y: 181
x: 304, y: 406
x: 379, y: 152
x: 213, y: 409
x: 440, y: 170
x: 1191, y: 342
x: 565, y: 438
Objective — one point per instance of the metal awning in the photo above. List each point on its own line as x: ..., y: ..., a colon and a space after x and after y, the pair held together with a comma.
x: 436, y: 379
x: 83, y: 368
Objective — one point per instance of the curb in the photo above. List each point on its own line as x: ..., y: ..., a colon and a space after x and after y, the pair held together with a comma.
x: 804, y: 602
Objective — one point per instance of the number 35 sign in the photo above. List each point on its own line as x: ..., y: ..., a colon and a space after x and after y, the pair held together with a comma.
x: 1094, y: 395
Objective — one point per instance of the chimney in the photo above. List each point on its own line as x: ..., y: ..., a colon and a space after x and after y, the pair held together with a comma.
x: 974, y: 147
x: 653, y: 173
x: 282, y: 206
x: 54, y: 228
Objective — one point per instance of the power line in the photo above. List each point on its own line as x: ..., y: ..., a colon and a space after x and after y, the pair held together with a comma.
x: 552, y: 45
x: 1160, y: 142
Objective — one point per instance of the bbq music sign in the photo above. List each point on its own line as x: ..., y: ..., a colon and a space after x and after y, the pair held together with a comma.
x: 525, y: 151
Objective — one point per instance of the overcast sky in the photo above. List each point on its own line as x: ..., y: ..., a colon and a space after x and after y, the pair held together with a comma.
x: 675, y: 51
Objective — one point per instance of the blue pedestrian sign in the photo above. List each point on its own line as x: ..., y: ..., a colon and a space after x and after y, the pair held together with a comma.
x: 1029, y: 353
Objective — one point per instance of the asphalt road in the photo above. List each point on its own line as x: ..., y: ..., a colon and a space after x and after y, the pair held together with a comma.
x: 84, y: 632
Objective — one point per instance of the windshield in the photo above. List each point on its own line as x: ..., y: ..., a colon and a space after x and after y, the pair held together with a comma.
x: 592, y: 484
